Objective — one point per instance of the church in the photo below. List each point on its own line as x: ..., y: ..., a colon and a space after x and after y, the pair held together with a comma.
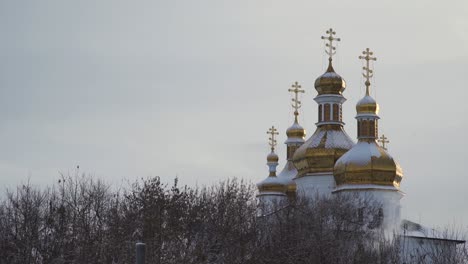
x: 329, y: 162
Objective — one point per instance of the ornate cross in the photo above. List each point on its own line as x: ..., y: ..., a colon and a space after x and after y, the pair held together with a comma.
x: 383, y: 140
x: 331, y: 49
x: 296, y: 103
x: 368, y: 73
x: 272, y: 131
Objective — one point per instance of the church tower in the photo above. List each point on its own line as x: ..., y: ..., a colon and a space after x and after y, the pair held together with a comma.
x: 315, y: 159
x: 367, y: 169
x: 295, y: 138
x: 272, y: 191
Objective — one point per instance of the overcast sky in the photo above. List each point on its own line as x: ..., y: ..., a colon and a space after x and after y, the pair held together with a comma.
x: 129, y: 89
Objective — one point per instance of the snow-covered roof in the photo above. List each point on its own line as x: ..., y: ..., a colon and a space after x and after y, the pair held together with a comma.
x: 288, y: 172
x: 361, y: 154
x: 415, y: 230
x: 366, y: 100
x: 273, y: 180
x: 329, y: 139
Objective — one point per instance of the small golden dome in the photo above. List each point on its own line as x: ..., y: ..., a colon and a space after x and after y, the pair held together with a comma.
x: 295, y: 131
x: 367, y: 163
x: 330, y: 82
x: 367, y: 105
x: 272, y: 157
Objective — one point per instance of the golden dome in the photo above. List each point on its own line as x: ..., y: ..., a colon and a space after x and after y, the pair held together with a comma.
x: 330, y: 82
x: 367, y: 163
x: 320, y: 152
x: 367, y: 105
x: 272, y: 157
x: 273, y: 184
x: 295, y: 131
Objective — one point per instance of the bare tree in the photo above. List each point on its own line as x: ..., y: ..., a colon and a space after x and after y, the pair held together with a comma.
x: 83, y: 220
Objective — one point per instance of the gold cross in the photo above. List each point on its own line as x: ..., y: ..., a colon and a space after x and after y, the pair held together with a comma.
x: 368, y: 73
x: 331, y: 49
x: 296, y: 103
x: 272, y: 131
x: 383, y: 140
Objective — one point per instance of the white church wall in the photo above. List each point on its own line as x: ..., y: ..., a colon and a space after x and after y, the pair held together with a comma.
x: 269, y: 201
x: 312, y: 185
x: 388, y: 199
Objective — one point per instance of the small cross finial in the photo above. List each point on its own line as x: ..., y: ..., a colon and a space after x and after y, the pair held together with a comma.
x: 368, y: 73
x: 272, y: 131
x: 329, y: 48
x: 296, y: 103
x: 384, y: 140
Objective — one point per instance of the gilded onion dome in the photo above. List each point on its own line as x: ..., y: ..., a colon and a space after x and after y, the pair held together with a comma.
x: 329, y: 142
x: 330, y: 82
x: 367, y: 105
x: 367, y: 162
x: 272, y: 157
x: 320, y: 152
x: 272, y: 185
x: 296, y: 131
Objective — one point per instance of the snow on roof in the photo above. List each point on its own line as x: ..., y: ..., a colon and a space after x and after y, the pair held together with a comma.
x: 415, y: 230
x: 273, y: 180
x: 288, y: 172
x: 361, y: 154
x: 330, y: 75
x: 332, y: 138
x: 366, y: 100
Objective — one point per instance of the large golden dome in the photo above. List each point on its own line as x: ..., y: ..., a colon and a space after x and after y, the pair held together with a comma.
x: 330, y: 82
x: 367, y: 163
x: 320, y: 152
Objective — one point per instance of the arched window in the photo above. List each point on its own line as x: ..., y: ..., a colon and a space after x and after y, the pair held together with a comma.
x: 371, y: 128
x: 320, y: 113
x: 363, y: 128
x: 327, y: 112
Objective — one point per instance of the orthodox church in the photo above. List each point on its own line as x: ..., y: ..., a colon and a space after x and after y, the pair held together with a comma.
x: 330, y: 162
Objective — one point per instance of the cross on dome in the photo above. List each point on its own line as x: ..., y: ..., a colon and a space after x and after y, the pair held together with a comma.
x: 296, y: 103
x: 383, y: 139
x: 331, y: 49
x: 272, y: 131
x: 368, y: 73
